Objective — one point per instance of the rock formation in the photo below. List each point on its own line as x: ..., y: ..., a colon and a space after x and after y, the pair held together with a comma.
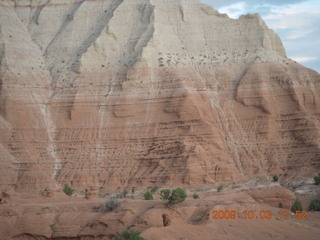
x: 28, y: 217
x: 91, y: 192
x: 124, y: 93
x: 276, y: 197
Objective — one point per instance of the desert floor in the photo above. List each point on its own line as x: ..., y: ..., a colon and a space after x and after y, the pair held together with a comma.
x: 60, y: 217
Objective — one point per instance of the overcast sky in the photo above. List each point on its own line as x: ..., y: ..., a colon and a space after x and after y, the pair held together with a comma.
x: 296, y: 21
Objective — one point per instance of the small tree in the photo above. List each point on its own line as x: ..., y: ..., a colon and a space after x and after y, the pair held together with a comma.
x: 68, y: 190
x: 280, y: 205
x: 275, y: 178
x: 314, y: 205
x: 111, y: 205
x: 53, y: 226
x: 195, y: 196
x: 154, y: 189
x: 317, y: 179
x: 129, y: 235
x: 178, y: 195
x: 296, y: 206
x: 165, y: 194
x: 125, y: 193
x: 220, y: 188
x: 148, y: 195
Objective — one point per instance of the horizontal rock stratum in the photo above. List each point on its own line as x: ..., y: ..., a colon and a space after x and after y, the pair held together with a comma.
x: 122, y: 93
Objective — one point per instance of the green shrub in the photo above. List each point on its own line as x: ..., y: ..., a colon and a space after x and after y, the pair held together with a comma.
x: 280, y: 205
x: 296, y: 206
x: 195, y: 196
x: 111, y: 205
x: 133, y: 190
x: 129, y: 235
x: 46, y: 208
x: 95, y: 208
x: 178, y: 195
x: 122, y: 195
x: 148, y: 195
x: 154, y: 189
x: 68, y: 190
x: 220, y: 188
x: 53, y: 226
x: 314, y: 205
x: 119, y: 195
x: 317, y: 179
x: 275, y: 178
x: 165, y: 194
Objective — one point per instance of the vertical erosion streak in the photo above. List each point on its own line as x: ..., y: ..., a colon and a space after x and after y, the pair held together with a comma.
x: 92, y: 35
x: 221, y: 118
x: 70, y: 69
x: 51, y: 130
x: 146, y: 28
x: 139, y: 38
x: 65, y: 74
x: 2, y: 69
x: 68, y: 18
x: 35, y: 17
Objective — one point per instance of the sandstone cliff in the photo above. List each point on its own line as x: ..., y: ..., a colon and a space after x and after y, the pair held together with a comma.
x: 122, y: 93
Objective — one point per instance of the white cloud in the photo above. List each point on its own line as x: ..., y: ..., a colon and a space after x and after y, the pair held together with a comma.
x: 298, y: 27
x: 304, y: 59
x: 296, y: 21
x: 234, y: 10
x: 293, y: 17
x: 299, y: 34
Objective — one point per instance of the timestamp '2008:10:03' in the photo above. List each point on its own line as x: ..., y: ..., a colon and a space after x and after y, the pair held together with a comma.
x: 283, y: 214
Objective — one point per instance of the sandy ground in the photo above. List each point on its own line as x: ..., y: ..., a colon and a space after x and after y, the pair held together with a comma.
x: 32, y: 216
